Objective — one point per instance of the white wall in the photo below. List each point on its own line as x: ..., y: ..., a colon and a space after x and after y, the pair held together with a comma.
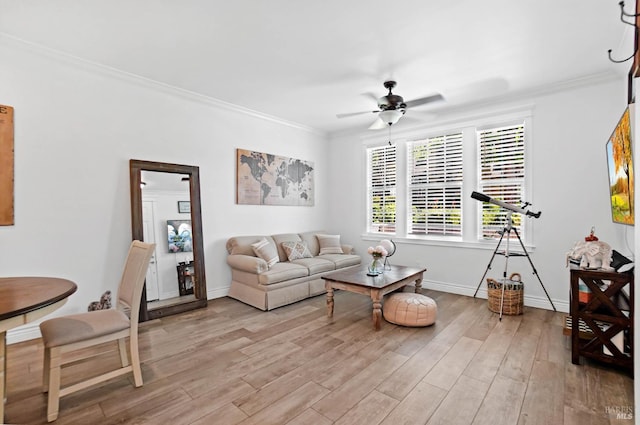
x: 76, y: 127
x: 570, y: 187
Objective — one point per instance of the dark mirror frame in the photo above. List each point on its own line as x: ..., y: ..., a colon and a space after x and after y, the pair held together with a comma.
x: 200, y: 288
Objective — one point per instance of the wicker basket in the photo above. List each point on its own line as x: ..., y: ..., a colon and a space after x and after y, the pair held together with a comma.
x: 513, y: 303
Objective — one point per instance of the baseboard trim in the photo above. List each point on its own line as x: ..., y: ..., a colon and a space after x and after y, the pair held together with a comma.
x: 218, y: 293
x: 529, y: 301
x: 23, y: 333
x: 32, y: 330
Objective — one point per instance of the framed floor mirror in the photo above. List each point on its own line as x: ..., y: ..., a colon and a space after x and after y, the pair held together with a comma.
x: 166, y: 210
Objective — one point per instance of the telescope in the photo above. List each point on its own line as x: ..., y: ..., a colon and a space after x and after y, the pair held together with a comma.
x: 485, y: 198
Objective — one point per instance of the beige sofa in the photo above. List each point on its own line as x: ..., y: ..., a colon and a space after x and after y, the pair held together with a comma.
x: 262, y: 274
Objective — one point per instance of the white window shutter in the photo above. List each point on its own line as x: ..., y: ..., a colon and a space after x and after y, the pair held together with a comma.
x: 501, y: 176
x: 435, y: 186
x: 381, y: 176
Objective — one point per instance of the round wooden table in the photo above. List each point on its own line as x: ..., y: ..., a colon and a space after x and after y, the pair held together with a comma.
x: 23, y: 300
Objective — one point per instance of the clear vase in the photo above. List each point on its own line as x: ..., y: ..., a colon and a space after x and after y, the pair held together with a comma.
x: 376, y: 267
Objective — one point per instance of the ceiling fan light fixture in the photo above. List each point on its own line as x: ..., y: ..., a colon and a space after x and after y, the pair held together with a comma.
x: 390, y: 116
x: 392, y: 107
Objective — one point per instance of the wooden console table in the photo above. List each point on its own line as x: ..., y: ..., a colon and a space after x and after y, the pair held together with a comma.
x: 608, y: 313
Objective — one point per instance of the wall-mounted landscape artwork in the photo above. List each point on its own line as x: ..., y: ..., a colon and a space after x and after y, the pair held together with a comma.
x: 620, y: 164
x: 265, y: 179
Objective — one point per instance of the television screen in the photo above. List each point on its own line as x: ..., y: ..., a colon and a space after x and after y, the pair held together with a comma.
x: 620, y: 165
x: 179, y: 236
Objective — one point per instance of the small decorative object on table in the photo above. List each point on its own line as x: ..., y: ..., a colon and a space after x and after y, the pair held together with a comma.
x: 390, y: 246
x: 592, y: 236
x: 376, y: 267
x: 591, y: 254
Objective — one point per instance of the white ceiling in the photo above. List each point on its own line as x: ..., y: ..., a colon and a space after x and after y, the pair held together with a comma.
x: 157, y: 181
x: 305, y: 61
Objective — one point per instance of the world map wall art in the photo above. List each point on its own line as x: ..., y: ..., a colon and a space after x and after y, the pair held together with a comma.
x: 266, y: 179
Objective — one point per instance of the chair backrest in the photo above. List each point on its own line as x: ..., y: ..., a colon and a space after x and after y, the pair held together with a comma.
x: 133, y: 276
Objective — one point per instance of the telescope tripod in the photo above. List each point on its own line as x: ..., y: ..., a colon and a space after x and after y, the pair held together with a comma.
x: 507, y: 231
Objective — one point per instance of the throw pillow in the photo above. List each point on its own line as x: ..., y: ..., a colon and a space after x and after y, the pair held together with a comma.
x: 329, y: 244
x: 266, y: 251
x: 296, y: 250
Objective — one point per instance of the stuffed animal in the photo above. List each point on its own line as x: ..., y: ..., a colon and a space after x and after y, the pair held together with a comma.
x: 103, y: 304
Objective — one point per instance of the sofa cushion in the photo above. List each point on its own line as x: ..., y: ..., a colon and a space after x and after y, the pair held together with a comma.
x: 267, y: 251
x: 329, y: 244
x: 343, y: 260
x: 296, y: 250
x: 282, y: 271
x: 280, y: 239
x: 312, y: 241
x: 316, y: 264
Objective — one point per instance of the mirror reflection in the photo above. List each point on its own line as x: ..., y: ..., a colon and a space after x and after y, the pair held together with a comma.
x: 166, y: 219
x: 165, y: 210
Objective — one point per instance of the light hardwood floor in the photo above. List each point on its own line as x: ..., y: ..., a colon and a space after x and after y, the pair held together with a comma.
x: 233, y: 364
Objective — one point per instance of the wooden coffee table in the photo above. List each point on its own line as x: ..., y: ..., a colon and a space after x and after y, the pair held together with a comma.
x: 356, y: 280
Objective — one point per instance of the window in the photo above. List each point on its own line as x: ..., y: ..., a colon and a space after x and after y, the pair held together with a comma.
x: 381, y: 181
x: 435, y: 177
x: 439, y: 171
x: 501, y: 169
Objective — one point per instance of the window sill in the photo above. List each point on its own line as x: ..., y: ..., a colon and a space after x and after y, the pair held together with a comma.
x: 514, y: 245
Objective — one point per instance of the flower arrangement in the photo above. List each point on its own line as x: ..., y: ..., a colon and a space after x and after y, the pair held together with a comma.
x: 377, y: 253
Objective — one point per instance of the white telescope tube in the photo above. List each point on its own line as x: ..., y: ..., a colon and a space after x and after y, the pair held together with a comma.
x: 484, y: 198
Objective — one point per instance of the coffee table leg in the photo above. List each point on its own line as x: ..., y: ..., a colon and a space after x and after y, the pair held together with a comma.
x: 329, y: 302
x: 418, y: 286
x: 376, y: 297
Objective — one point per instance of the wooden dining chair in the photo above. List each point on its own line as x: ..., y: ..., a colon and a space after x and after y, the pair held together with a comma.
x: 68, y: 335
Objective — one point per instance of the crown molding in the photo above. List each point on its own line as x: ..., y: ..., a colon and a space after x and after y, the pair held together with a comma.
x: 98, y: 68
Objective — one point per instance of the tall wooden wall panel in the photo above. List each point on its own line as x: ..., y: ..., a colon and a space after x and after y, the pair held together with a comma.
x: 6, y: 166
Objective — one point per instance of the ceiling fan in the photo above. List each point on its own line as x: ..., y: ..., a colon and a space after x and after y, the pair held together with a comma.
x: 392, y: 107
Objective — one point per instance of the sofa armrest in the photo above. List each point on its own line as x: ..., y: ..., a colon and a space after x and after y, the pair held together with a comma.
x: 347, y: 249
x: 247, y: 263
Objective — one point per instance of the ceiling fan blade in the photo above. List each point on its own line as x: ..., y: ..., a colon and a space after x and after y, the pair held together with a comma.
x: 371, y: 96
x: 352, y: 114
x: 423, y: 100
x: 378, y: 124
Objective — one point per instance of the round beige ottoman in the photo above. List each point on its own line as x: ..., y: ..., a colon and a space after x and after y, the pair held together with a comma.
x: 407, y: 309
